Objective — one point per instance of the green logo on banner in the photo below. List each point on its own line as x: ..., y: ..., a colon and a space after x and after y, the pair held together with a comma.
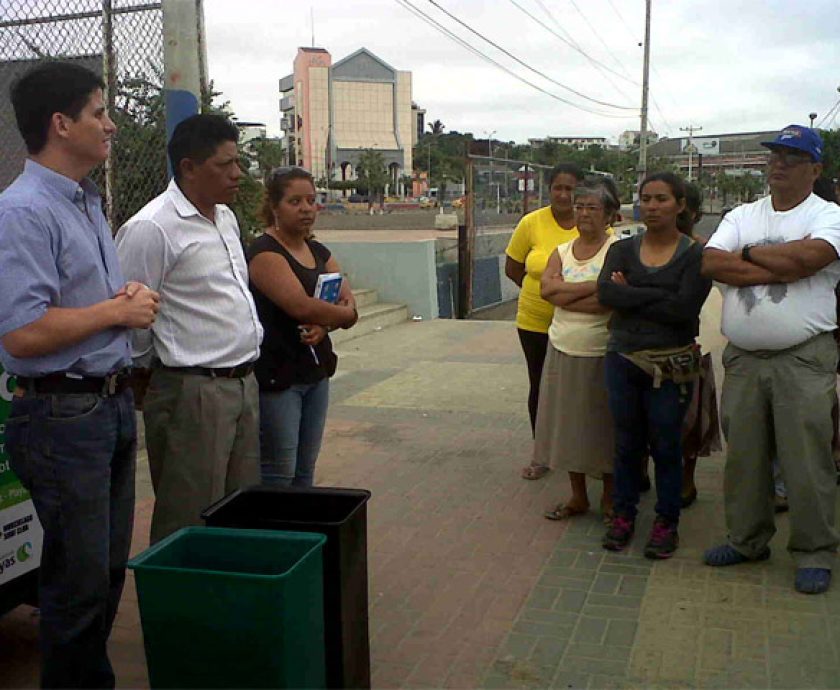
x: 24, y: 553
x: 11, y: 491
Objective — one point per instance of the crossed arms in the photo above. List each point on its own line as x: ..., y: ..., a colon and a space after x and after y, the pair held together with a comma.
x: 579, y: 297
x: 771, y: 263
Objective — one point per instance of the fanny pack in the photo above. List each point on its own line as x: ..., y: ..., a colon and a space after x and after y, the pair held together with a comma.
x: 677, y: 364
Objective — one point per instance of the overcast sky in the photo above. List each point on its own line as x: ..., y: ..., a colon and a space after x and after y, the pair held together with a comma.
x: 725, y: 65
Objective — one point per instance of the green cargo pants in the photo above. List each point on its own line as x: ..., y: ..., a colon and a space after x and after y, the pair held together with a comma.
x: 779, y: 403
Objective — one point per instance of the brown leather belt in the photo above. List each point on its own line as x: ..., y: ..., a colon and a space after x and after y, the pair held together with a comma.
x: 62, y: 384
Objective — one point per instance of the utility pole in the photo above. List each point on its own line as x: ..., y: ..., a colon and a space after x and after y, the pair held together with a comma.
x: 691, y: 129
x: 643, y: 134
x: 429, y: 171
x: 182, y: 60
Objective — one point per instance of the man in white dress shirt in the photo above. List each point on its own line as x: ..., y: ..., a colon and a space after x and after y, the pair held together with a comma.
x: 201, y: 410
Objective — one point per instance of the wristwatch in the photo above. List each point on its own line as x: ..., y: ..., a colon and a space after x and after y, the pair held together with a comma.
x: 745, y: 252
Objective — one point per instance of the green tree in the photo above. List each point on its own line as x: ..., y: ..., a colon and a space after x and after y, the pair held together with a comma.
x: 436, y: 127
x: 250, y: 196
x: 267, y: 153
x: 371, y: 173
x: 722, y: 184
x: 831, y: 153
x: 447, y: 155
x: 139, y: 159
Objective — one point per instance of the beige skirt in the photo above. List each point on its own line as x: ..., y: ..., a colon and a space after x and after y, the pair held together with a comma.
x: 574, y: 425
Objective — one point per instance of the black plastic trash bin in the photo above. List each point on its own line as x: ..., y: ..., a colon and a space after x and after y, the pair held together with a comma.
x: 341, y: 515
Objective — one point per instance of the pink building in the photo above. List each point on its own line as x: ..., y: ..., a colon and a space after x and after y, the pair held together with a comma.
x: 331, y: 113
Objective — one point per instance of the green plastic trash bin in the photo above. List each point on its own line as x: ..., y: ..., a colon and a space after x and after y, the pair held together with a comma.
x: 225, y: 608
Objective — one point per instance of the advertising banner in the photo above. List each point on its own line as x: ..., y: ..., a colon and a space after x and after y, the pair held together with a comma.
x: 706, y: 146
x: 21, y: 536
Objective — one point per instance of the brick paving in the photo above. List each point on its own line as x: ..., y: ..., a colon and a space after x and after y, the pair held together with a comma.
x: 471, y: 587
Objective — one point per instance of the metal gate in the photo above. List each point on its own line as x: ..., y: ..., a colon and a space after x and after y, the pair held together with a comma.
x: 499, y: 192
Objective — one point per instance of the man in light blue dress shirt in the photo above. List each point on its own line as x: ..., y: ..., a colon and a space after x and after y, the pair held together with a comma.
x: 65, y: 321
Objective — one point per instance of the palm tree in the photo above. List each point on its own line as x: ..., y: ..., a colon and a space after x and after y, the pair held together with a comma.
x: 436, y: 127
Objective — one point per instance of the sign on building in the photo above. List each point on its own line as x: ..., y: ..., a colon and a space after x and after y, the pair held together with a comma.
x: 21, y: 536
x: 705, y: 146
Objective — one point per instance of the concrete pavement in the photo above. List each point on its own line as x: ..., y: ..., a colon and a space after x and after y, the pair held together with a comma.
x: 471, y: 587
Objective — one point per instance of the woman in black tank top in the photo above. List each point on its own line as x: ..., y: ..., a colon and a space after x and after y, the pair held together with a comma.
x: 296, y: 357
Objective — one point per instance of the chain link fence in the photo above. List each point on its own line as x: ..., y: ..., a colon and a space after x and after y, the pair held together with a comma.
x: 122, y: 40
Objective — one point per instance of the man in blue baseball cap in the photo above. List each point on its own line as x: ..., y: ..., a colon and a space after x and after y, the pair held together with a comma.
x: 800, y: 138
x: 778, y: 261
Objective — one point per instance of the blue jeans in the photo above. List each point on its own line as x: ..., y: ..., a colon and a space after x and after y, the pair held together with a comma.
x: 75, y: 454
x: 646, y: 417
x: 291, y: 428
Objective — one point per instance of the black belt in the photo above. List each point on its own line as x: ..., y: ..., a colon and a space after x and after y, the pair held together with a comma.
x: 238, y: 372
x: 62, y: 384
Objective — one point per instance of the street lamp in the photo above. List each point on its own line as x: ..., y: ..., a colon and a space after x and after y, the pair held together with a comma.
x: 812, y: 116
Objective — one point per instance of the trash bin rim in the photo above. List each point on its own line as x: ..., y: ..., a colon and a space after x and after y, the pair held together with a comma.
x: 138, y: 562
x: 315, y: 490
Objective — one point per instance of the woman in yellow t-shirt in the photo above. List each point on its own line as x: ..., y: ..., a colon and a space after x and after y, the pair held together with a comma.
x: 537, y: 235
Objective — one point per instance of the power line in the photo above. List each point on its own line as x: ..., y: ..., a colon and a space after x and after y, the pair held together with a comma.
x: 598, y: 36
x: 655, y: 71
x: 835, y: 109
x: 592, y: 61
x: 597, y: 65
x: 621, y: 17
x: 571, y: 44
x: 522, y: 62
x: 437, y: 26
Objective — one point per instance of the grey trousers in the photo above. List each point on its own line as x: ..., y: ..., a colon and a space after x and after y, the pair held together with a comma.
x: 779, y: 403
x: 202, y: 436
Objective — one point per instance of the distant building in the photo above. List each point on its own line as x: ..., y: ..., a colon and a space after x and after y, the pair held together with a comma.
x: 248, y: 132
x: 735, y: 152
x: 418, y: 122
x: 580, y: 143
x: 632, y: 139
x: 331, y: 113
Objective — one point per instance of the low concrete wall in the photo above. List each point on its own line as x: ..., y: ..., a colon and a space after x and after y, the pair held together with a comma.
x: 402, y: 272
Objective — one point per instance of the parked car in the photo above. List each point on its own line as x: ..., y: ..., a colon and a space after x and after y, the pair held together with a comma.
x: 357, y: 199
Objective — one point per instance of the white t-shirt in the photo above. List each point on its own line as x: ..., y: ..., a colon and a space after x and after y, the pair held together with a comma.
x: 778, y: 316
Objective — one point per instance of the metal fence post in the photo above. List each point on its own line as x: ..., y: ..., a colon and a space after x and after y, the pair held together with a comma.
x: 525, y: 193
x: 465, y: 255
x: 108, y: 76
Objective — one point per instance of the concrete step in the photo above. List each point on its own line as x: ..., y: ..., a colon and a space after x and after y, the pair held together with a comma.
x: 372, y: 318
x: 365, y: 297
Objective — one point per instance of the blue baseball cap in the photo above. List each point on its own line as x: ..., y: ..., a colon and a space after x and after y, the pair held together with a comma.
x: 801, y: 138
